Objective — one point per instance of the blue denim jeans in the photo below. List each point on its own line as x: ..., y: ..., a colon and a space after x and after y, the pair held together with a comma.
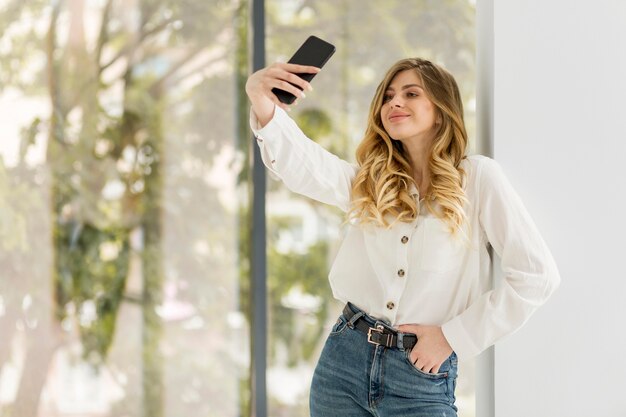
x: 354, y: 378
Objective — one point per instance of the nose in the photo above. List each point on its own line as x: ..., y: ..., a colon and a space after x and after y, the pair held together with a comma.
x: 396, y: 101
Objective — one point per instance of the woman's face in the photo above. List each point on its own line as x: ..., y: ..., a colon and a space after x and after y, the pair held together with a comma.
x: 407, y: 114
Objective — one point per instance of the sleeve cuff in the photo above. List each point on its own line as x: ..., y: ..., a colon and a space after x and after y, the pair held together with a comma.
x: 271, y: 126
x: 270, y: 130
x: 459, y: 339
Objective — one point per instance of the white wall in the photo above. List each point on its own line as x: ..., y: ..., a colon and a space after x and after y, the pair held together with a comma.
x: 559, y: 131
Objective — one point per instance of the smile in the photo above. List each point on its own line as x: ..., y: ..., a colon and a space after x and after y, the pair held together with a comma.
x: 398, y: 118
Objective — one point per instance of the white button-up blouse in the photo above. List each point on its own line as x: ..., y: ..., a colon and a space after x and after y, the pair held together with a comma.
x: 416, y: 272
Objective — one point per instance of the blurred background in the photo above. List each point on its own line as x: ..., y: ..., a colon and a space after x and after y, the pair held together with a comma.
x: 125, y: 197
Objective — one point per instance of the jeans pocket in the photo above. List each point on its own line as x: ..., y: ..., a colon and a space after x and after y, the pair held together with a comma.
x: 438, y: 375
x: 340, y: 325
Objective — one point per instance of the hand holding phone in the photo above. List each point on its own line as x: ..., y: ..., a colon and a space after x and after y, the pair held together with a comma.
x: 314, y: 52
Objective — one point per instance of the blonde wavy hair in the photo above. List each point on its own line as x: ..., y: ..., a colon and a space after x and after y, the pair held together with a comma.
x: 382, y: 185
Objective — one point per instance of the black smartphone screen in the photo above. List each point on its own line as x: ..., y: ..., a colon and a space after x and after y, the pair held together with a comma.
x: 314, y: 51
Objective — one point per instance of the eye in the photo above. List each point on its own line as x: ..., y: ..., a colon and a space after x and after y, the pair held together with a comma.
x: 387, y: 97
x: 412, y: 94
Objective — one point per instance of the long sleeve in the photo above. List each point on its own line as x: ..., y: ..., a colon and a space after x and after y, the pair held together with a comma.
x: 530, y: 273
x: 301, y: 164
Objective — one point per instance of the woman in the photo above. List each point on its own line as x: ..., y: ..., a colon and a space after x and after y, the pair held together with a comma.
x: 414, y: 267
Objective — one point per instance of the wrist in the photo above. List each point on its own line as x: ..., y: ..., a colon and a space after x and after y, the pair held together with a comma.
x: 264, y: 113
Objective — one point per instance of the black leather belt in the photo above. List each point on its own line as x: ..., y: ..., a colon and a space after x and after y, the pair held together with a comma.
x: 381, y: 335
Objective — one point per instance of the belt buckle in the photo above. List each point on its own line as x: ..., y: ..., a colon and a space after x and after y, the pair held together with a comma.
x: 378, y: 329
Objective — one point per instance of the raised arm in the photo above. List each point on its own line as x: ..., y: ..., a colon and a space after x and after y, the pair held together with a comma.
x: 303, y: 165
x: 278, y: 75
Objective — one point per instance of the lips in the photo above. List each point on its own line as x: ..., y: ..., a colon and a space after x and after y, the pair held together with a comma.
x: 394, y: 117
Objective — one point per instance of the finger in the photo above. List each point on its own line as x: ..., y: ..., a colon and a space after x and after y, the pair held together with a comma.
x: 428, y: 369
x: 288, y: 72
x: 419, y: 364
x: 285, y: 107
x: 281, y: 74
x: 424, y: 365
x: 404, y: 328
x: 285, y: 86
x: 295, y: 68
x: 408, y: 328
x: 279, y: 103
x: 300, y: 82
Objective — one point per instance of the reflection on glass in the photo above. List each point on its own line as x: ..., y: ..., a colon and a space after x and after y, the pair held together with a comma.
x: 303, y: 234
x: 120, y: 196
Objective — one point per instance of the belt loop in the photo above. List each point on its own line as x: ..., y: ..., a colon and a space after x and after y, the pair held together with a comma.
x: 355, y: 318
x: 400, y: 340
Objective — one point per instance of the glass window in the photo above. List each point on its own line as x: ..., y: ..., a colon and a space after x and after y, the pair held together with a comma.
x: 121, y: 193
x: 124, y: 213
x: 304, y: 235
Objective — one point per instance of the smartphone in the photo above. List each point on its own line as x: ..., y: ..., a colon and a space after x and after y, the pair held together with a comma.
x: 314, y: 51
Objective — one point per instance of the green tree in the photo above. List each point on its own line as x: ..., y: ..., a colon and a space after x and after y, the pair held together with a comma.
x: 109, y: 94
x: 139, y: 110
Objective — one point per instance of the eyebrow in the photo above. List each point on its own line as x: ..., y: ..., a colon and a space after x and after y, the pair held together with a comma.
x: 404, y: 87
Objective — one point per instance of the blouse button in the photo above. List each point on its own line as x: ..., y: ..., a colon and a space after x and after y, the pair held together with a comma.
x: 401, y: 272
x: 405, y: 239
x: 390, y: 305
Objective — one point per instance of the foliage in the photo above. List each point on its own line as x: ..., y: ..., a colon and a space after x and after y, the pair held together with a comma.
x: 111, y: 91
x: 145, y: 105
